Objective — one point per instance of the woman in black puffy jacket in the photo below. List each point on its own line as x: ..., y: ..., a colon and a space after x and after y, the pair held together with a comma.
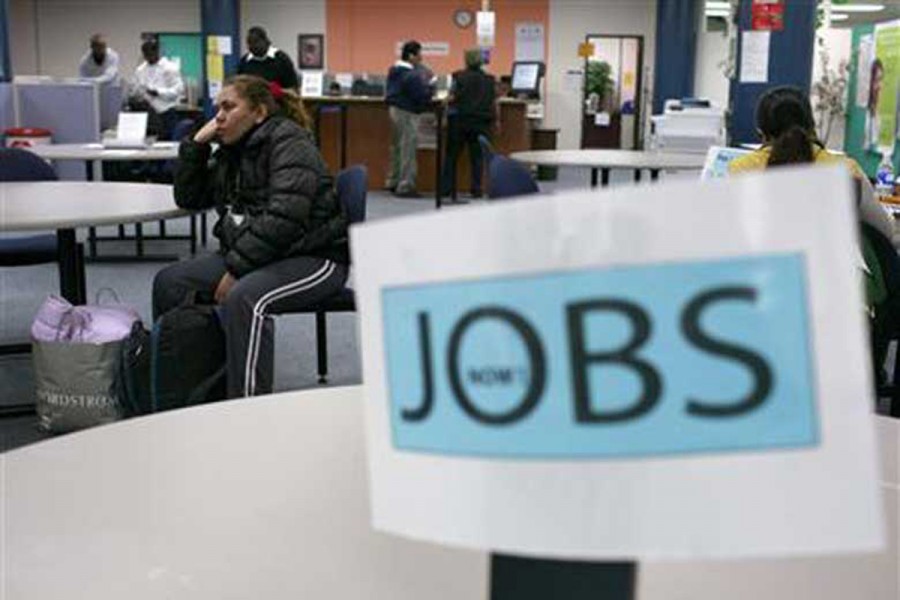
x: 282, y: 234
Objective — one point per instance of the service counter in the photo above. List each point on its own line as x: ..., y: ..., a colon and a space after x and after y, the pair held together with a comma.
x: 357, y: 130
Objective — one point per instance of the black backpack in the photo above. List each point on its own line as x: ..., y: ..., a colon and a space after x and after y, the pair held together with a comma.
x: 181, y: 362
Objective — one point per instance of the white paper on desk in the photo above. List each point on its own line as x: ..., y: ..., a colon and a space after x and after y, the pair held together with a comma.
x: 755, y: 56
x: 131, y: 126
x: 546, y: 486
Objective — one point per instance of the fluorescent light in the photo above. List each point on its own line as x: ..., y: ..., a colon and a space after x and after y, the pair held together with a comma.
x: 839, y: 18
x: 857, y: 8
x: 717, y: 13
x: 713, y: 4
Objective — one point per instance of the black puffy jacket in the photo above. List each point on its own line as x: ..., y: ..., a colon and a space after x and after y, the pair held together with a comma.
x: 273, y: 194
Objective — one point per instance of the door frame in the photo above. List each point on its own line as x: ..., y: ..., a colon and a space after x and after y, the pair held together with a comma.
x: 639, y: 96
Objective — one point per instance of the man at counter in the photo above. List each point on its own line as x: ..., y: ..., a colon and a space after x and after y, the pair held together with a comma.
x: 266, y: 61
x: 408, y: 95
x: 100, y: 63
x: 471, y: 113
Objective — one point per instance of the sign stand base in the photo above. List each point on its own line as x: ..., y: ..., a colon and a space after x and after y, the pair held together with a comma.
x: 520, y: 578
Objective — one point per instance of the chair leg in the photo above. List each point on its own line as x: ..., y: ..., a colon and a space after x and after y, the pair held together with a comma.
x: 322, y: 346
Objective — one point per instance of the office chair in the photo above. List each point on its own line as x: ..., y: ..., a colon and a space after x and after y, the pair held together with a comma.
x: 885, y: 327
x: 21, y: 165
x: 351, y: 188
x: 506, y: 177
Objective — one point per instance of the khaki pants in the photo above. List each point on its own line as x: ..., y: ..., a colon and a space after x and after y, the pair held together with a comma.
x: 404, y: 141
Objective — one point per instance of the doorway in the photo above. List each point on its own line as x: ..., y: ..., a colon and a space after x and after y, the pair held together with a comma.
x: 611, y: 107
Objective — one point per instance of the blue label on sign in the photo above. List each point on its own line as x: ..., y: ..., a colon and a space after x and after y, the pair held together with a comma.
x: 608, y: 362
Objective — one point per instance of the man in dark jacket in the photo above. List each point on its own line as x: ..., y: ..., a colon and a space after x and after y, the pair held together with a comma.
x: 408, y: 95
x: 471, y: 113
x: 266, y: 61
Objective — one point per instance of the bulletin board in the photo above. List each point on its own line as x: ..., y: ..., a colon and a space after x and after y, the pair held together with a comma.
x: 873, y: 128
x: 189, y: 48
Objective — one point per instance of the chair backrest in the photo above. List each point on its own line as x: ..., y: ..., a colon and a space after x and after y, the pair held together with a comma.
x: 351, y: 186
x: 21, y: 165
x: 506, y: 177
x: 181, y: 129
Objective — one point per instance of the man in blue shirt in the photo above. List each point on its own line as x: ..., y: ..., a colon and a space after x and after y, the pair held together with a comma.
x: 408, y: 95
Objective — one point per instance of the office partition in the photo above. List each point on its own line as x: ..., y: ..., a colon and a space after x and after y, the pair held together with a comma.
x: 70, y: 109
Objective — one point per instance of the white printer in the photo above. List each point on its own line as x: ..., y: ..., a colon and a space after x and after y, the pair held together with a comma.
x: 688, y: 125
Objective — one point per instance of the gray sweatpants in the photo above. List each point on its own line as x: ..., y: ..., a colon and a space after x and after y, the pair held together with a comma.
x: 404, y: 142
x: 280, y: 287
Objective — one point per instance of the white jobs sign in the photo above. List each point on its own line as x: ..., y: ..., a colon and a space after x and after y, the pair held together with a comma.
x: 672, y: 371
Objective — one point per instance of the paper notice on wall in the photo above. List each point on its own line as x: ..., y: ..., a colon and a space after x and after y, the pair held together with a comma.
x: 864, y: 69
x: 485, y: 27
x: 685, y: 388
x: 225, y: 46
x: 572, y: 80
x: 602, y: 119
x: 530, y: 41
x: 215, y: 67
x: 755, y: 56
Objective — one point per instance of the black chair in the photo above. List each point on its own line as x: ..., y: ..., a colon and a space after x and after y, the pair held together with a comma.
x: 21, y: 165
x: 351, y: 187
x: 506, y: 177
x: 885, y: 327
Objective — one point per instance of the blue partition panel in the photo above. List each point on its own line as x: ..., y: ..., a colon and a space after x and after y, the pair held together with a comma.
x: 7, y: 115
x: 110, y: 105
x: 70, y: 110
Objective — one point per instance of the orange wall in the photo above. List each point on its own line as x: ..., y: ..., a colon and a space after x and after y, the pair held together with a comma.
x: 362, y: 34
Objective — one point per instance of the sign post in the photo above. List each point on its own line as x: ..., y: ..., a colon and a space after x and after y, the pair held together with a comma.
x: 634, y: 375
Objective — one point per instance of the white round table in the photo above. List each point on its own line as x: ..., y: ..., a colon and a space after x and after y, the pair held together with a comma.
x: 96, y: 152
x: 94, y: 155
x: 267, y: 497
x: 66, y: 205
x: 605, y: 160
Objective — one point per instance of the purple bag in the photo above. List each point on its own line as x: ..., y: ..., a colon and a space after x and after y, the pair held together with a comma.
x: 78, y: 353
x: 58, y: 320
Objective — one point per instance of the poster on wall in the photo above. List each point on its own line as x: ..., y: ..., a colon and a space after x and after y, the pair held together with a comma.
x: 767, y: 15
x: 864, y: 58
x: 884, y: 85
x: 530, y: 41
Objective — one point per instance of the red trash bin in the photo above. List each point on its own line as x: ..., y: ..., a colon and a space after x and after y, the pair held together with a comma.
x: 26, y: 137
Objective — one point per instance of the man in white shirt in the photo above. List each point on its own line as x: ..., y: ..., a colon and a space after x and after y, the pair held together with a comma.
x: 157, y: 88
x: 100, y: 63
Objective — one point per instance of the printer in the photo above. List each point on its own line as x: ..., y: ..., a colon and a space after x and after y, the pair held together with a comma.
x: 688, y: 125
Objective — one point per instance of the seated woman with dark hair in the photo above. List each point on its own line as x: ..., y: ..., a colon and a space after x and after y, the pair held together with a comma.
x: 785, y: 121
x: 282, y: 235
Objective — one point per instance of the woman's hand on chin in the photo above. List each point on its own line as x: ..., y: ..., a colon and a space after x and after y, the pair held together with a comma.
x: 207, y: 133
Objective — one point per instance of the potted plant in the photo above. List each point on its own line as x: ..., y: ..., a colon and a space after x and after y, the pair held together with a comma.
x: 598, y: 85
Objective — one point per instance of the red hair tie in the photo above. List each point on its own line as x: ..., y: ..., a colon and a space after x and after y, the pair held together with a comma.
x: 276, y: 89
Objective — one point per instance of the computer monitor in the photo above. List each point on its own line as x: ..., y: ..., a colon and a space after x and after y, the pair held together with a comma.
x: 526, y: 78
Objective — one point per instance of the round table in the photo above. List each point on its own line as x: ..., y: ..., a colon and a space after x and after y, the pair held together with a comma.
x: 267, y: 497
x: 94, y: 154
x: 605, y: 160
x: 66, y: 205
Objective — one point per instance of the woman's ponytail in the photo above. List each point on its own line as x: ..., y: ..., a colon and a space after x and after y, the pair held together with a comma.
x: 292, y: 107
x: 791, y: 146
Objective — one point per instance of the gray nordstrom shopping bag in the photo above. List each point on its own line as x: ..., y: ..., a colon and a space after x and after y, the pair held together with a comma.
x: 76, y: 384
x: 80, y: 357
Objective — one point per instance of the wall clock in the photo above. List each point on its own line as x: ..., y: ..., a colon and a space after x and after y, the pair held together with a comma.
x: 463, y: 18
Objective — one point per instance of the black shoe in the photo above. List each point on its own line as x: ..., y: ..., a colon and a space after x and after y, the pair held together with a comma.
x: 476, y: 195
x: 407, y: 194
